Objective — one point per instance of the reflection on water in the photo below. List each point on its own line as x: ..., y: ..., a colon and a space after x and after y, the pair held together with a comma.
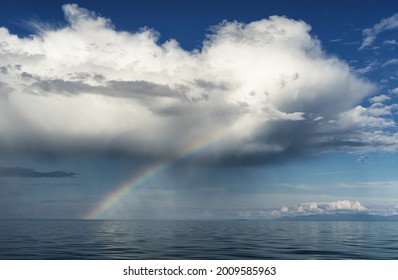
x: 69, y: 239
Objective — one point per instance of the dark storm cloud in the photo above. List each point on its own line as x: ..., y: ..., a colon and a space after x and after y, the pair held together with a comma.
x: 62, y: 87
x: 208, y: 85
x: 3, y: 70
x: 125, y: 88
x: 27, y: 76
x: 27, y: 172
x: 275, y: 143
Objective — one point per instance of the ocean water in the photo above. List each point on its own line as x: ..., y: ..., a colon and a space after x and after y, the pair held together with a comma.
x: 293, y: 240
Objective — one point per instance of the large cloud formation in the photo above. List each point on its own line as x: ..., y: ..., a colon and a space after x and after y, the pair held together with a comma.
x: 265, y: 90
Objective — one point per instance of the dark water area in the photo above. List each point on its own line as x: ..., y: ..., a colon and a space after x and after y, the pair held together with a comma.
x: 291, y: 240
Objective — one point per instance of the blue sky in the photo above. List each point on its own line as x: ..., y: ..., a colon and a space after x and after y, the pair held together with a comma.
x: 254, y: 109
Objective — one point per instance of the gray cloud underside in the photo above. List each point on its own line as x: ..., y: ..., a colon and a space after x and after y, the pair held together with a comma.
x: 26, y: 172
x: 5, y: 90
x: 143, y: 91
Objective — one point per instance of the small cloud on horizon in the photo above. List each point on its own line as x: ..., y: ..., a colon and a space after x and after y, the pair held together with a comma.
x: 310, y: 208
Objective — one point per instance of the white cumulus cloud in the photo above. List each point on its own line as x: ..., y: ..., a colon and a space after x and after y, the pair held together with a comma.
x: 379, y: 98
x: 256, y: 88
x: 394, y: 90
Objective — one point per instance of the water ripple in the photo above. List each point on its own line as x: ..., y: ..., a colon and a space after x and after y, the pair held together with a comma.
x: 54, y: 239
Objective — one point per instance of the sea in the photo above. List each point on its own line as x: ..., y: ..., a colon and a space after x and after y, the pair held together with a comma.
x: 227, y: 240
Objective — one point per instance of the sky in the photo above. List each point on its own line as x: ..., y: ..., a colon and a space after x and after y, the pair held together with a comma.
x: 210, y: 110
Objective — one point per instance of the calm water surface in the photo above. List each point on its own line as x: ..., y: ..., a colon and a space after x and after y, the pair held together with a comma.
x: 70, y: 239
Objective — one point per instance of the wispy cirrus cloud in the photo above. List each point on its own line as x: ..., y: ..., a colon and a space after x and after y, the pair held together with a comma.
x: 370, y: 34
x: 392, y: 61
x: 390, y: 42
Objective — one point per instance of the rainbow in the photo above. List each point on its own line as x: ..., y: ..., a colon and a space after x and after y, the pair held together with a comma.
x: 149, y: 172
